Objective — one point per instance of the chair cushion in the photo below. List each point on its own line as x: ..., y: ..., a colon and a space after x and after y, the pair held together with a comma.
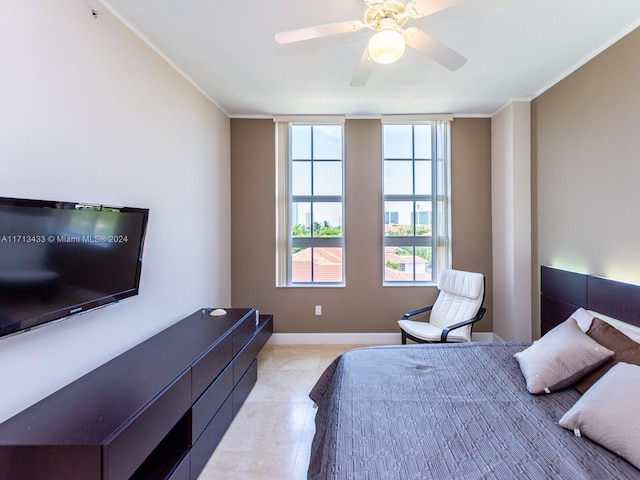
x: 431, y: 333
x: 466, y: 284
x: 460, y: 298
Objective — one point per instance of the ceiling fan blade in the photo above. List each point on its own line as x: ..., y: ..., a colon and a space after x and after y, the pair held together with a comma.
x: 363, y: 70
x: 433, y: 48
x: 422, y: 8
x: 318, y: 31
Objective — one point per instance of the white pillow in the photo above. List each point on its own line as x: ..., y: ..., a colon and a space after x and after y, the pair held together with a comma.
x: 562, y: 356
x: 607, y: 413
x: 583, y: 318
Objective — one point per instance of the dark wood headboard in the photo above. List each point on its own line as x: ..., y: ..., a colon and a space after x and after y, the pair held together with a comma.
x: 563, y: 292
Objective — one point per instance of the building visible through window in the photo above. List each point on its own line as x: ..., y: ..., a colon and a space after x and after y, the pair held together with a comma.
x: 415, y: 201
x: 311, y: 248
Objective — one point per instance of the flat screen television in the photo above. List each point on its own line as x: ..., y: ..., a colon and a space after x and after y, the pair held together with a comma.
x: 58, y: 259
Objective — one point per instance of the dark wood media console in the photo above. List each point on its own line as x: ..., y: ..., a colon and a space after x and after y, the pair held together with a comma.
x: 157, y: 411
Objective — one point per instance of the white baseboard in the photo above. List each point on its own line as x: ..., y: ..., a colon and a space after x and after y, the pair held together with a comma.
x: 335, y: 338
x: 485, y: 337
x: 356, y: 338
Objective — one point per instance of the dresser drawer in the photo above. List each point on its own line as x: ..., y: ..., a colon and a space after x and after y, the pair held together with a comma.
x: 210, y: 402
x: 53, y: 462
x: 181, y: 472
x: 128, y: 447
x: 208, y: 441
x: 209, y: 366
x: 243, y: 332
x: 244, y: 359
x: 244, y: 386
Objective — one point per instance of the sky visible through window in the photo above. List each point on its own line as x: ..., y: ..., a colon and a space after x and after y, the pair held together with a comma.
x: 322, y: 177
x: 407, y: 169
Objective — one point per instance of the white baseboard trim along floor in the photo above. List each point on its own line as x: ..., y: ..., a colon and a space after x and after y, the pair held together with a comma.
x: 356, y: 338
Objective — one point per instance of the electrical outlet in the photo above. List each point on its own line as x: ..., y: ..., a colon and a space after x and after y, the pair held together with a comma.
x: 318, y: 309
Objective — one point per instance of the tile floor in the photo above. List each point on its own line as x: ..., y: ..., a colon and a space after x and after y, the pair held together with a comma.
x: 270, y: 438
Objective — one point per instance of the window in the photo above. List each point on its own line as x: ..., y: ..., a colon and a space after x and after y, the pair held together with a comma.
x: 310, y: 239
x: 415, y: 201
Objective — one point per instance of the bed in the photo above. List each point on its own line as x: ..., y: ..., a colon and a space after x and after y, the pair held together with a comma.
x: 466, y: 411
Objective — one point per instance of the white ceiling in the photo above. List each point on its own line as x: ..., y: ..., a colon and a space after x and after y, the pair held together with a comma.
x: 516, y: 49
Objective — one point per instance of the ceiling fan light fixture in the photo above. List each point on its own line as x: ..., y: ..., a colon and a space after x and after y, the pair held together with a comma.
x: 387, y: 44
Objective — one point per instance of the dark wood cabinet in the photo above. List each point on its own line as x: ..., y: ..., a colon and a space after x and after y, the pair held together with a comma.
x: 157, y: 411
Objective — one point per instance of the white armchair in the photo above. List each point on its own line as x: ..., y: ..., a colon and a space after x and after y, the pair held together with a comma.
x: 451, y: 318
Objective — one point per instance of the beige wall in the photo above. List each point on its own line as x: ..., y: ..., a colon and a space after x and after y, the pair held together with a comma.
x: 586, y: 149
x: 364, y: 305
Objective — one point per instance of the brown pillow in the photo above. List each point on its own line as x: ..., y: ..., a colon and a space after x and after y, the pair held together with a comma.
x: 625, y: 350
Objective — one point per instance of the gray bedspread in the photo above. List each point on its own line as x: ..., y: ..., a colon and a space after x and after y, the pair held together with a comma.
x: 457, y: 411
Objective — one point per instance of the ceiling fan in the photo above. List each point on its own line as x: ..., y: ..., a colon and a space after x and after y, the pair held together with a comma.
x: 387, y: 45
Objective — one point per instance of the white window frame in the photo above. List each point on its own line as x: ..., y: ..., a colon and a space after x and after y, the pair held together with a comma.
x: 440, y: 198
x: 284, y: 201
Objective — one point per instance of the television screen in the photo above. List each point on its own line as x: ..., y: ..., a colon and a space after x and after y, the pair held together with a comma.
x: 62, y: 258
